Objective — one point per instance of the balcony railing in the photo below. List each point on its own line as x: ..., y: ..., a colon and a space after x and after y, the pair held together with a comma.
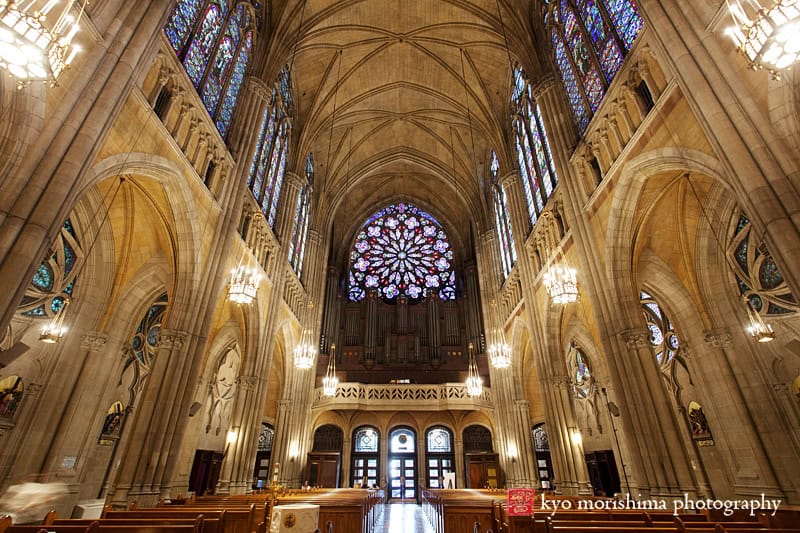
x: 398, y: 397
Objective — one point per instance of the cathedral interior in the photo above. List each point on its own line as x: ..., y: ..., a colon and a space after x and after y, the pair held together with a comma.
x: 473, y: 243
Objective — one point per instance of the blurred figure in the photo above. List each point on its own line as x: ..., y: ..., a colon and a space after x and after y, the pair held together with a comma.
x: 29, y: 502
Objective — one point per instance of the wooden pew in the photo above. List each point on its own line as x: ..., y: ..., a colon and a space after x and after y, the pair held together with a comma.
x: 244, y: 520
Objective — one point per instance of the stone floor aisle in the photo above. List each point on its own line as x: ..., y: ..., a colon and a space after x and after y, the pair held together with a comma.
x: 403, y: 518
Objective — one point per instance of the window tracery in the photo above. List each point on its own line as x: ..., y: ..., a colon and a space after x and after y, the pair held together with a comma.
x: 301, y: 217
x: 402, y: 249
x: 583, y: 378
x: 269, y: 161
x: 508, y: 252
x: 53, y: 282
x: 590, y: 40
x: 757, y: 275
x: 663, y: 338
x: 213, y: 40
x: 534, y: 157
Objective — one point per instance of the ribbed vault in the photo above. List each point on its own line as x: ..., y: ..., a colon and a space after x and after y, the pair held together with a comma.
x: 417, y: 94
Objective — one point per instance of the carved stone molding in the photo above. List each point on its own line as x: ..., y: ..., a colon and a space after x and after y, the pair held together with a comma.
x: 718, y: 338
x: 560, y: 381
x: 247, y: 383
x: 33, y: 389
x: 636, y: 338
x: 172, y: 339
x: 93, y: 341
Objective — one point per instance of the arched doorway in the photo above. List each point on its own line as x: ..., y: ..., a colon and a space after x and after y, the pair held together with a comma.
x: 325, y: 459
x: 403, y: 464
x: 366, y: 441
x: 482, y: 464
x: 438, y: 456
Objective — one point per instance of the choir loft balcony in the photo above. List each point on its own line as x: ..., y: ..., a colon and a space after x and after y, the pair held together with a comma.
x: 399, y: 397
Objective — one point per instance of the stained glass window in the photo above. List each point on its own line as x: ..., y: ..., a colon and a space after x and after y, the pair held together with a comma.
x: 663, y: 339
x: 402, y: 440
x: 269, y: 160
x: 439, y: 440
x: 583, y: 381
x: 401, y: 249
x: 590, y: 39
x: 54, y: 281
x: 508, y: 252
x: 300, y: 227
x: 534, y: 157
x: 213, y: 40
x: 439, y: 456
x: 145, y: 341
x: 12, y: 389
x: 265, y: 438
x: 757, y: 275
x: 366, y: 440
x: 540, y: 441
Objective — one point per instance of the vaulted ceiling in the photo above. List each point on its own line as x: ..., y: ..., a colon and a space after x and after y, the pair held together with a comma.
x: 400, y: 100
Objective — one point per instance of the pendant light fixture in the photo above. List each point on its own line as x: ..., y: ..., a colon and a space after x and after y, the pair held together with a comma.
x: 330, y: 382
x: 36, y: 38
x: 767, y: 32
x: 474, y: 381
x: 561, y: 283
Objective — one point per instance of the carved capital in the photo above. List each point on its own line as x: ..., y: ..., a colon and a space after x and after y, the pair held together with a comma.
x: 172, y: 339
x: 636, y: 338
x: 559, y: 381
x: 33, y: 389
x: 285, y: 404
x: 247, y: 383
x: 718, y: 338
x: 780, y: 388
x: 93, y: 341
x: 521, y: 405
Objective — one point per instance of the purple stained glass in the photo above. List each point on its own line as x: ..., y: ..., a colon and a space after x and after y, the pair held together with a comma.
x: 181, y: 21
x: 570, y: 83
x: 604, y: 43
x: 199, y: 53
x: 221, y: 64
x: 402, y: 250
x: 626, y: 19
x: 261, y: 158
x: 526, y: 183
x: 225, y: 115
x: 529, y: 158
x: 278, y: 179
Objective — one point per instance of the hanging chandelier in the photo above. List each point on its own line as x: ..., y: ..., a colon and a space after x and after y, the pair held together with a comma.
x: 500, y: 353
x: 330, y: 382
x: 561, y: 285
x: 53, y: 331
x: 243, y: 285
x: 757, y: 328
x: 767, y: 32
x: 304, y: 354
x: 474, y: 382
x: 31, y: 47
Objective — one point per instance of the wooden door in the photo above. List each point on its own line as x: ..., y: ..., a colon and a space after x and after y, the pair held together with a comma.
x: 323, y: 469
x: 483, y: 470
x: 205, y: 472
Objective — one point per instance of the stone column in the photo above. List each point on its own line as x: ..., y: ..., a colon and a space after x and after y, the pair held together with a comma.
x: 153, y: 423
x: 762, y: 168
x: 84, y: 107
x: 287, y: 209
x: 237, y: 466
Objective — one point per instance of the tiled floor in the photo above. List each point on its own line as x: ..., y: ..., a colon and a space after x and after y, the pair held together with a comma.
x: 403, y: 518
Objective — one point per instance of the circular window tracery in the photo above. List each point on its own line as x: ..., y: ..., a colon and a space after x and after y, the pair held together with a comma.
x: 401, y: 249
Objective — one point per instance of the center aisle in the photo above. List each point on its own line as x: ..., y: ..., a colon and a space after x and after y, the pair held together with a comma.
x: 403, y: 518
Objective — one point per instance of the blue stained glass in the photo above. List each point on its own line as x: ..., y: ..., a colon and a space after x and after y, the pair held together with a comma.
x: 234, y: 87
x: 570, y: 83
x: 278, y: 180
x: 43, y: 278
x: 37, y: 312
x: 216, y: 75
x: 56, y: 304
x: 402, y: 251
x: 262, y: 158
x: 439, y: 440
x: 70, y: 288
x: 608, y: 51
x: 310, y: 168
x: 507, y: 252
x: 145, y: 340
x: 743, y: 222
x: 205, y: 39
x: 526, y: 183
x: 541, y: 158
x: 180, y: 23
x: 537, y: 193
x: 769, y: 275
x: 257, y: 154
x: 741, y: 256
x: 547, y: 151
x: 626, y: 18
x: 69, y: 257
x: 70, y: 229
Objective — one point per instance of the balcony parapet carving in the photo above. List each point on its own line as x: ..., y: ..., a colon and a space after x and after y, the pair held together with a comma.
x: 401, y: 397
